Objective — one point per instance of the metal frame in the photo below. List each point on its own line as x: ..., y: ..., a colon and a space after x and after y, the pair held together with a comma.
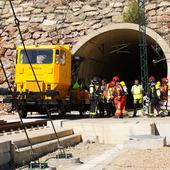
x: 143, y: 44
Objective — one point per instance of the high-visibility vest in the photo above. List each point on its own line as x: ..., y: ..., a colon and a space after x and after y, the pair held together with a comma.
x: 137, y: 91
x: 92, y: 88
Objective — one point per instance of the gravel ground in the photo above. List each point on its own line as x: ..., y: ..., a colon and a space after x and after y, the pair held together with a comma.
x: 157, y: 159
x: 83, y: 150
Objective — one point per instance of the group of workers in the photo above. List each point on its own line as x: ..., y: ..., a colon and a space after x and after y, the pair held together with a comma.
x: 110, y: 98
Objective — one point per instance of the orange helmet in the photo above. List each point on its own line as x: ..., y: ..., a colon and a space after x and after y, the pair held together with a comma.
x: 165, y: 79
x: 115, y: 78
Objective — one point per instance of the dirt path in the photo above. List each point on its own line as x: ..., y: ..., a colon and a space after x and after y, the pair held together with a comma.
x: 86, y: 151
x: 157, y: 159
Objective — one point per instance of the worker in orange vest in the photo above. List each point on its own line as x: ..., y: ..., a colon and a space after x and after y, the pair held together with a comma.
x: 119, y: 98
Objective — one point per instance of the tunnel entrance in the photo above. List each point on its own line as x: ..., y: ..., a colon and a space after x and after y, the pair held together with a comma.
x: 116, y: 52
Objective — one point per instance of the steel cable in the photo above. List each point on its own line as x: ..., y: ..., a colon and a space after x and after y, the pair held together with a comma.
x: 17, y: 22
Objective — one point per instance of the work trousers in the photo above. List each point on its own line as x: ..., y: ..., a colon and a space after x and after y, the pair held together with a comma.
x: 155, y: 105
x: 137, y: 102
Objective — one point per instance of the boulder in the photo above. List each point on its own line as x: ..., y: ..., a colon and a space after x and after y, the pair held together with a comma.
x: 82, y: 27
x: 77, y: 5
x: 37, y: 19
x: 97, y: 26
x: 36, y: 11
x: 152, y: 13
x: 34, y: 27
x: 93, y: 2
x: 2, y: 4
x: 36, y: 35
x: 117, y: 18
x: 49, y: 25
x: 118, y: 5
x: 77, y: 23
x: 49, y: 9
x: 164, y: 4
x: 151, y: 6
x: 29, y: 8
x: 24, y: 19
x: 44, y: 41
x: 27, y: 36
x: 10, y: 29
x: 51, y: 16
x: 8, y: 45
x: 29, y: 42
x: 44, y: 35
x: 18, y: 10
x: 88, y: 8
x: 92, y: 13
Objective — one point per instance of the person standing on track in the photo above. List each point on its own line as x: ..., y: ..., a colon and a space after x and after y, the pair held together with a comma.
x: 119, y: 98
x: 101, y: 99
x: 94, y: 88
x: 137, y: 91
x: 153, y: 96
x: 164, y: 96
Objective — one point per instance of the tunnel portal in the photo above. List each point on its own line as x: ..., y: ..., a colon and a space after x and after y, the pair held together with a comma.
x: 116, y: 52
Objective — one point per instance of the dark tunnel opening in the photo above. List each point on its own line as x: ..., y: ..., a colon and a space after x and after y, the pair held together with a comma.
x: 117, y: 53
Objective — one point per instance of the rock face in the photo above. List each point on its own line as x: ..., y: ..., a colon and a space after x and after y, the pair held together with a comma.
x: 52, y: 21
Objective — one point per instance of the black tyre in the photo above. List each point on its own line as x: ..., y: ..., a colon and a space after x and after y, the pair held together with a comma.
x: 62, y: 110
x: 23, y: 113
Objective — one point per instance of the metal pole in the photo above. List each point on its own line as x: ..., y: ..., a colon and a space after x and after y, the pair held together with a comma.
x: 143, y: 44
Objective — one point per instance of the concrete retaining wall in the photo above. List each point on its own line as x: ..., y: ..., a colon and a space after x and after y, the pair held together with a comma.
x: 6, y: 154
x: 114, y: 131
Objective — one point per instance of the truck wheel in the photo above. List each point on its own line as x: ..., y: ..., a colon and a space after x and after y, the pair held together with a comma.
x: 44, y: 111
x: 62, y: 110
x: 23, y: 113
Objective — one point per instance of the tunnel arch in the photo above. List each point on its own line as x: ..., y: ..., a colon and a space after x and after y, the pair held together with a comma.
x: 151, y: 34
x: 90, y: 46
x: 123, y: 26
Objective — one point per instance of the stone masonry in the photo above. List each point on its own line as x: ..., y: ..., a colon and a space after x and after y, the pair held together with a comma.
x: 66, y: 21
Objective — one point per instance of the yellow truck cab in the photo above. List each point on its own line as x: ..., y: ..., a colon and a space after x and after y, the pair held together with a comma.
x: 52, y: 67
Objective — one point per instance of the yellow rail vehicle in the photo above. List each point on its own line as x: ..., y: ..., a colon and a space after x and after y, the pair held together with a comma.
x: 46, y: 82
x: 52, y: 67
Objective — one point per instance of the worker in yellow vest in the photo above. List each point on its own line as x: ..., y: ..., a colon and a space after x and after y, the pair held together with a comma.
x: 137, y: 91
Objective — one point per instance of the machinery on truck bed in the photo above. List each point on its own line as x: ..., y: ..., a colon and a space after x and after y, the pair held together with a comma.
x: 52, y: 65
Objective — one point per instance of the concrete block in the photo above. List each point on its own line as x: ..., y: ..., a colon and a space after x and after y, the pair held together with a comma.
x: 43, y: 137
x: 145, y: 142
x: 23, y: 155
x: 5, y: 158
x: 5, y: 147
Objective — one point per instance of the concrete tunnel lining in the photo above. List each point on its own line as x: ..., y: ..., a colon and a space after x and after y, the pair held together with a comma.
x: 82, y: 45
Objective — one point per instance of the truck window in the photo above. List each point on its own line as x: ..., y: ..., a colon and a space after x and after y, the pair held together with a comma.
x: 63, y: 57
x: 37, y: 56
x: 57, y: 57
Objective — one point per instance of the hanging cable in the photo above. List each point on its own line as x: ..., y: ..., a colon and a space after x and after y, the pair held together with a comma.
x: 17, y: 22
x: 18, y: 110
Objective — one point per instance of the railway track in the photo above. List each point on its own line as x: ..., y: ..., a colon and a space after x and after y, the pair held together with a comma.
x: 18, y: 126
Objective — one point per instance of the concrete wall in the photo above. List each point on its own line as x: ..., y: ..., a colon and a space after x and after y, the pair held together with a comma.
x: 5, y: 152
x: 116, y: 131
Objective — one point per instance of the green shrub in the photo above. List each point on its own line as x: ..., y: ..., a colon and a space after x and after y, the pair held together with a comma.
x: 131, y: 15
